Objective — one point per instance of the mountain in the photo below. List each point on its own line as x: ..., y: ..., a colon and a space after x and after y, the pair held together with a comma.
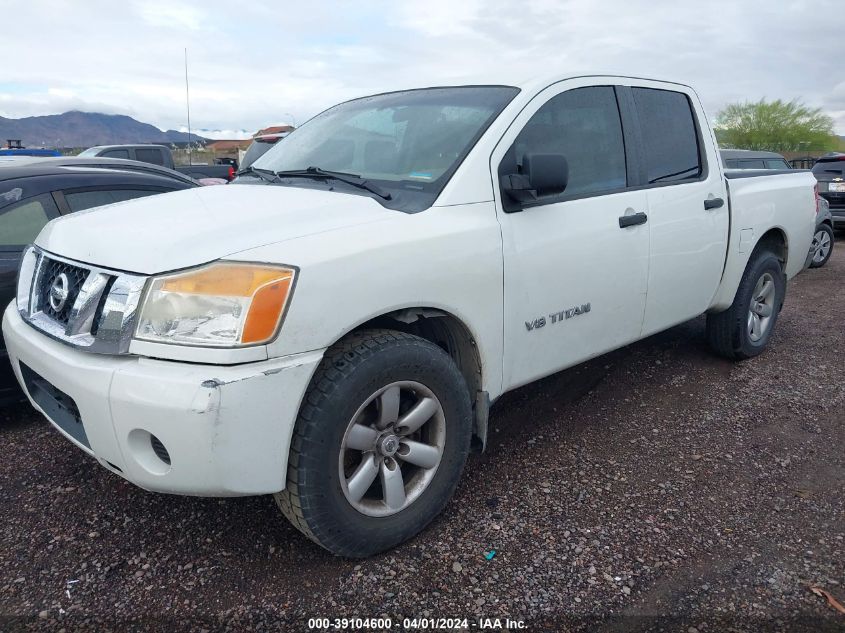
x: 85, y: 129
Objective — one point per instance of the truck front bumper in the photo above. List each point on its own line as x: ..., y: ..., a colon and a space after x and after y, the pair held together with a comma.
x: 183, y: 428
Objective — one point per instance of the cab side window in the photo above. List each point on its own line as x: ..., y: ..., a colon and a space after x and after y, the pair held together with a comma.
x: 115, y: 153
x: 21, y: 222
x: 584, y: 126
x: 670, y: 137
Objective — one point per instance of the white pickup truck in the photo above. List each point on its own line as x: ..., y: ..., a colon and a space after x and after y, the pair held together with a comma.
x: 333, y: 327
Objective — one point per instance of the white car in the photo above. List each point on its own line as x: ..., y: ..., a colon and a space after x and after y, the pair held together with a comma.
x: 335, y: 332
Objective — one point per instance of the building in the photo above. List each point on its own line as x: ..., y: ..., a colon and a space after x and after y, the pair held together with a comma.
x: 226, y: 146
x: 275, y: 129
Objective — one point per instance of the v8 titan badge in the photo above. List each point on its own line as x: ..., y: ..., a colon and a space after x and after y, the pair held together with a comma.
x: 557, y: 317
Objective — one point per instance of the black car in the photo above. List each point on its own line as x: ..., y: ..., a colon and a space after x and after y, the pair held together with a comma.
x: 104, y: 163
x: 830, y: 172
x: 33, y: 193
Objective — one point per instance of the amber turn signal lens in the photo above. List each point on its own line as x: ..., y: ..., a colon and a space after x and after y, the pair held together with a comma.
x: 266, y: 309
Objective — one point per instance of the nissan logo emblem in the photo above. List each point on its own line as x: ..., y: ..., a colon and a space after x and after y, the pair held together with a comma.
x: 59, y: 292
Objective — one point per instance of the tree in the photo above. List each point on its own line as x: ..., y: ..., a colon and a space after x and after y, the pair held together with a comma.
x: 776, y: 126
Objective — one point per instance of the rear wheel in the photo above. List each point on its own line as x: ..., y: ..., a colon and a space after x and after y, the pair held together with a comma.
x: 379, y: 444
x: 822, y: 246
x: 743, y: 330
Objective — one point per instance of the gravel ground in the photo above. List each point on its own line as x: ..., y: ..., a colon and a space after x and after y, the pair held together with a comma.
x: 654, y: 489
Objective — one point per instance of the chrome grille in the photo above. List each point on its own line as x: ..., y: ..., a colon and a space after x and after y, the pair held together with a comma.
x: 85, y: 306
x: 54, y: 271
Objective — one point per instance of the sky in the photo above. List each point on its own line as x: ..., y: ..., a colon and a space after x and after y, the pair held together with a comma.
x: 253, y: 64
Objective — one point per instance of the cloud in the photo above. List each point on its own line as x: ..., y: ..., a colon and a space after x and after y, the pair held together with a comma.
x: 256, y: 62
x: 171, y: 15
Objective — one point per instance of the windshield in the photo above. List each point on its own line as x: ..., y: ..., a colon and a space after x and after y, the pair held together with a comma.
x: 409, y: 143
x: 92, y: 151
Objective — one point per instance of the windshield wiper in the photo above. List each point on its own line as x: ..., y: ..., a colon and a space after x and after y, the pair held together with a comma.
x: 264, y: 174
x: 350, y: 179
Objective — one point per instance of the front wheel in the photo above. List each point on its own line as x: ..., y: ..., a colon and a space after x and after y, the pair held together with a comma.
x: 743, y: 330
x: 822, y: 245
x: 379, y: 444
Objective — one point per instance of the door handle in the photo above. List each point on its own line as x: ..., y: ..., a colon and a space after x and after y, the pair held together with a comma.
x: 632, y: 219
x: 713, y: 203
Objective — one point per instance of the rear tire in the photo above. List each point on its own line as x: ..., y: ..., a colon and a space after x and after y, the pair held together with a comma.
x: 743, y: 330
x: 823, y: 245
x: 356, y: 420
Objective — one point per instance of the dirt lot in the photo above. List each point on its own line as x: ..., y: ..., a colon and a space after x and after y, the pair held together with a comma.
x: 657, y: 488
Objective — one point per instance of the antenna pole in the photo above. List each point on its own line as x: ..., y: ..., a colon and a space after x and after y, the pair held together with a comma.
x: 188, y: 103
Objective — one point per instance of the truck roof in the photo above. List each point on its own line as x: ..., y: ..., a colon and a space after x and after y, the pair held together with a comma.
x: 524, y: 81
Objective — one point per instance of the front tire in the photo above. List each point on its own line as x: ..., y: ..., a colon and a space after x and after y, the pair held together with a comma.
x: 379, y: 445
x: 822, y: 245
x: 743, y: 330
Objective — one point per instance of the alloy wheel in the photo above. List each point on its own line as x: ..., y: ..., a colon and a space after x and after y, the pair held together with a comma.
x: 392, y: 448
x: 761, y: 308
x: 821, y: 246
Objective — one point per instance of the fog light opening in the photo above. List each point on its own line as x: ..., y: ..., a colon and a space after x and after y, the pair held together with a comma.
x: 149, y: 452
x: 159, y: 449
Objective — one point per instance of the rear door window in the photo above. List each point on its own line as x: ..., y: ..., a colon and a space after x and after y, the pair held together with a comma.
x: 21, y: 222
x: 147, y: 155
x: 670, y: 137
x: 830, y: 169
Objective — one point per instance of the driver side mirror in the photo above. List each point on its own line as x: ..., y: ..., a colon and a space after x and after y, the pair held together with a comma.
x: 542, y: 175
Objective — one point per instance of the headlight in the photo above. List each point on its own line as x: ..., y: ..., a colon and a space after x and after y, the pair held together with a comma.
x: 219, y: 305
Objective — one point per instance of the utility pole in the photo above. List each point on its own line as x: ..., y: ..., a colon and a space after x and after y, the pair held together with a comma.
x: 188, y: 103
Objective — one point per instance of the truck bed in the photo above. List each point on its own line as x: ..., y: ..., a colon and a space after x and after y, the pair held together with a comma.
x: 761, y: 201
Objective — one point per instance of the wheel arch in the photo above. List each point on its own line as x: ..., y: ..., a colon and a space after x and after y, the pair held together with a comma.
x: 452, y: 335
x: 776, y: 239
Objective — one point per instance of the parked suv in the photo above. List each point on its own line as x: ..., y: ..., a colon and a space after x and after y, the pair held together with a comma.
x: 830, y: 172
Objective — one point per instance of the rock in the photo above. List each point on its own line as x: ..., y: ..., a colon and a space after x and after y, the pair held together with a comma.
x: 457, y: 567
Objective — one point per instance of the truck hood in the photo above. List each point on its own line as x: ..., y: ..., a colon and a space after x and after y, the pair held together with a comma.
x: 186, y: 228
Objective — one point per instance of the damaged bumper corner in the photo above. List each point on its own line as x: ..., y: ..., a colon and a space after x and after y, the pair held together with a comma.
x: 183, y: 428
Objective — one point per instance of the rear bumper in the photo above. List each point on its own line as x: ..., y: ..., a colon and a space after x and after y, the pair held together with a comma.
x: 226, y: 429
x: 835, y: 200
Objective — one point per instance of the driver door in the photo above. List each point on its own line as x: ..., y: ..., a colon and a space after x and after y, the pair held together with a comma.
x: 575, y: 277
